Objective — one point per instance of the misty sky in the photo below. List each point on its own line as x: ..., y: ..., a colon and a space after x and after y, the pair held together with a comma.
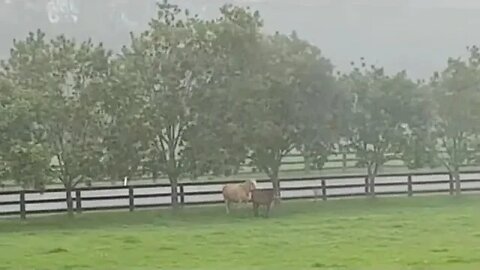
x: 416, y: 35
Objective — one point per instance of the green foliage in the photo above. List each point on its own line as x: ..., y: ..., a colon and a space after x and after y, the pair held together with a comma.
x: 24, y: 156
x: 164, y: 85
x: 163, y: 66
x: 320, y: 104
x: 29, y: 165
x: 388, y: 113
x: 283, y: 102
x: 217, y: 142
x: 457, y: 99
x: 123, y: 136
x: 416, y: 150
x: 60, y: 81
x: 268, y: 106
x: 190, y: 97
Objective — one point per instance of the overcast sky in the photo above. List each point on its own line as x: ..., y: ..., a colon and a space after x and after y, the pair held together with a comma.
x: 417, y: 35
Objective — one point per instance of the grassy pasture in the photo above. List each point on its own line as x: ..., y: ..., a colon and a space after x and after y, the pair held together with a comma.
x: 388, y: 234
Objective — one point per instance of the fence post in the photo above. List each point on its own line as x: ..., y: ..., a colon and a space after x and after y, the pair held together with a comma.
x: 131, y: 199
x: 344, y: 161
x: 182, y: 195
x: 23, y: 212
x: 451, y: 187
x: 324, y: 190
x: 410, y: 188
x: 367, y: 186
x: 78, y: 200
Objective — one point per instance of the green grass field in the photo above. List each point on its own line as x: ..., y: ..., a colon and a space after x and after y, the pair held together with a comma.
x: 384, y: 234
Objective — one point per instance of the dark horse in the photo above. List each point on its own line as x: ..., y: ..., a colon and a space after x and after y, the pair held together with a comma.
x: 263, y: 197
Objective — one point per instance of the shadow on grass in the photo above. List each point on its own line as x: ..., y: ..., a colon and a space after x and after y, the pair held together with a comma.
x: 207, y: 215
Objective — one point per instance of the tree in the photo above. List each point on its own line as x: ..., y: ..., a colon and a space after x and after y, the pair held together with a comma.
x: 6, y: 115
x: 63, y: 79
x: 287, y: 104
x: 457, y: 106
x: 177, y: 67
x: 386, y: 112
x: 417, y: 142
x: 123, y: 134
x: 24, y: 156
x: 320, y: 108
x: 217, y: 142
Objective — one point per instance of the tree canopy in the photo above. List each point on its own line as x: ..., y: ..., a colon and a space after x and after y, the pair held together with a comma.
x: 59, y: 81
x: 456, y: 96
x: 386, y: 112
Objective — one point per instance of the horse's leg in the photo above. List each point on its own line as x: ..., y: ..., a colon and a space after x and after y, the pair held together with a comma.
x: 244, y: 203
x: 239, y: 203
x: 235, y: 205
x: 255, y: 209
x: 227, y: 206
x: 268, y: 210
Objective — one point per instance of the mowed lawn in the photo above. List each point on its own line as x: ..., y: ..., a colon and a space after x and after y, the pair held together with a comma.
x: 384, y: 234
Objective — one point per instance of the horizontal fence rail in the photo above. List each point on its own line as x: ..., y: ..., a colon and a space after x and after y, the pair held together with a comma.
x: 28, y: 202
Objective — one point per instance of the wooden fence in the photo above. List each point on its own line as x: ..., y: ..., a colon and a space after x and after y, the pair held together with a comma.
x: 23, y: 203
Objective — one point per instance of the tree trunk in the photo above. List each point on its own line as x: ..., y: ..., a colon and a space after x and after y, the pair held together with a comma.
x: 276, y: 185
x: 276, y: 189
x: 172, y: 167
x: 272, y: 173
x: 69, y: 198
x: 174, y: 193
x: 372, y: 173
x: 371, y: 180
x: 456, y: 177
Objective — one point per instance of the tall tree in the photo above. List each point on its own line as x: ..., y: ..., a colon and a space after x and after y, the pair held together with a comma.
x: 177, y: 66
x: 275, y: 111
x: 385, y: 110
x: 64, y: 78
x: 217, y: 144
x: 456, y: 94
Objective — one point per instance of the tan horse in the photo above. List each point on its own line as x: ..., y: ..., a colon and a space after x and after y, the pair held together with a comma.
x: 238, y: 193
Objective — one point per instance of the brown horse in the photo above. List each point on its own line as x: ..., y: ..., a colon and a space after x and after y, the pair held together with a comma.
x: 238, y: 193
x: 263, y: 197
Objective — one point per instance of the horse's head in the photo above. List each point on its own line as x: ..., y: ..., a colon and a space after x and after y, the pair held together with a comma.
x: 252, y: 184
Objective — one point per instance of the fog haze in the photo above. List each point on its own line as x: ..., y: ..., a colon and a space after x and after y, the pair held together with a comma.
x: 416, y: 35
